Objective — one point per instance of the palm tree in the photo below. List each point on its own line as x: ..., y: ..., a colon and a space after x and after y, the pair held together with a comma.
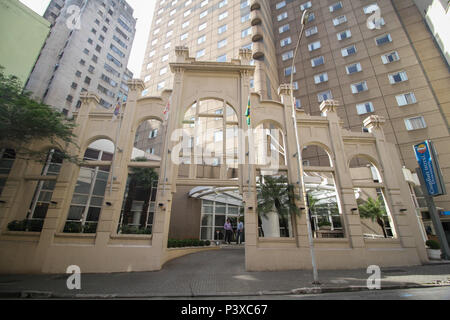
x: 277, y: 192
x: 373, y: 210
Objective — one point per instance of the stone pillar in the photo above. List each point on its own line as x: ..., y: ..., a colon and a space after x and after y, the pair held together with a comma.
x: 396, y: 191
x: 295, y: 175
x: 123, y: 147
x: 343, y: 179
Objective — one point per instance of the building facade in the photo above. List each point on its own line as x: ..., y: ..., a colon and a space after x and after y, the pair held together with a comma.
x: 87, y: 50
x: 23, y: 34
x: 87, y: 212
x: 376, y: 58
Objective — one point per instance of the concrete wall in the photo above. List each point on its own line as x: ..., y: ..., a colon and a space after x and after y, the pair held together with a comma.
x: 22, y: 34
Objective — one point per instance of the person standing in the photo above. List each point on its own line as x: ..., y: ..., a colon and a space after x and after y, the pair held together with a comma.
x: 240, y: 231
x: 228, y: 231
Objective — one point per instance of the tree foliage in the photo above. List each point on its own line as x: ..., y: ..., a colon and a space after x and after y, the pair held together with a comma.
x: 374, y: 210
x: 24, y: 121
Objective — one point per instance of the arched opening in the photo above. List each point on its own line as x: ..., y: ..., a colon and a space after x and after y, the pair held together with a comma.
x: 276, y: 209
x: 269, y: 145
x: 7, y: 157
x: 209, y: 141
x: 323, y: 197
x: 90, y: 188
x: 376, y: 219
x: 148, y: 142
x: 44, y: 191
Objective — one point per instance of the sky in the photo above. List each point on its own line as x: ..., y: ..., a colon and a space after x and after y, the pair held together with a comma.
x: 143, y: 11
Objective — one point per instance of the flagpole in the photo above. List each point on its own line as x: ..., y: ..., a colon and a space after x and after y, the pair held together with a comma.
x: 116, y: 147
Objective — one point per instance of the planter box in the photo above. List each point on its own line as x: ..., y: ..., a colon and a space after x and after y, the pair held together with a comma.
x: 434, y: 254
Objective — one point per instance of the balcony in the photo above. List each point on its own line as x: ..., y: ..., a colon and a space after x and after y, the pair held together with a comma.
x: 255, y: 17
x: 258, y: 50
x: 254, y: 5
x: 257, y: 33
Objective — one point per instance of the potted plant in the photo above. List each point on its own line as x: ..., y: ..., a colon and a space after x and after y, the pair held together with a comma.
x: 433, y: 250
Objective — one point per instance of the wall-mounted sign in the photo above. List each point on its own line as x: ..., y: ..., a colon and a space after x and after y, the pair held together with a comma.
x: 428, y: 163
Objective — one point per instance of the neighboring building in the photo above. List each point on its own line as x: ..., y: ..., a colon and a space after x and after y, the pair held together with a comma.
x: 88, y: 54
x: 437, y: 17
x: 22, y: 34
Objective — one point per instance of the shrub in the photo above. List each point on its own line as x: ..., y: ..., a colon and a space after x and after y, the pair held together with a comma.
x: 207, y: 243
x: 72, y: 227
x: 17, y: 225
x: 432, y: 244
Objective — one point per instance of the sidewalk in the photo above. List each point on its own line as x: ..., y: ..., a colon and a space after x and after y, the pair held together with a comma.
x: 218, y: 273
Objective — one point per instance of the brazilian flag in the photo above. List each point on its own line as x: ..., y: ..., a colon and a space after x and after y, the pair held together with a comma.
x: 247, y: 113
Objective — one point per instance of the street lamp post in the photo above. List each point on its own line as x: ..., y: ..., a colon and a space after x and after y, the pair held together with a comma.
x: 299, y: 153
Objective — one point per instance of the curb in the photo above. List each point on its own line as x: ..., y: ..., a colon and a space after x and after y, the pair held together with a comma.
x: 298, y: 291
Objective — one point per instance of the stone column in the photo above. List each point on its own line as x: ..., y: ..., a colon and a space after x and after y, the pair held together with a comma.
x: 396, y: 190
x: 112, y: 204
x: 343, y: 179
x: 295, y: 174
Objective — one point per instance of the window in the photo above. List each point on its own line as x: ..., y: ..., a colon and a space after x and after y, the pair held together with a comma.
x: 201, y: 39
x: 184, y: 36
x: 222, y: 29
x: 314, y: 46
x: 165, y: 58
x: 147, y: 78
x: 285, y: 41
x: 246, y: 32
x: 203, y: 3
x: 203, y: 14
x: 390, y: 57
x: 280, y: 5
x: 359, y: 87
x: 223, y: 15
x: 245, y: 18
x: 415, y: 123
x: 185, y: 24
x: 282, y: 16
x: 344, y: 35
x: 371, y: 8
x: 348, y: 51
x: 200, y: 53
x: 405, y: 99
x: 288, y: 71
x: 320, y: 78
x: 383, y: 39
x: 222, y: 58
x: 163, y: 71
x: 287, y: 55
x: 311, y: 31
x: 161, y: 85
x: 364, y: 108
x: 222, y: 43
x: 353, y: 68
x: 283, y: 28
x: 202, y: 26
x: 186, y: 13
x: 317, y: 61
x: 323, y: 96
x: 305, y: 5
x: 339, y: 20
x: 335, y: 6
x: 223, y: 3
x: 398, y: 77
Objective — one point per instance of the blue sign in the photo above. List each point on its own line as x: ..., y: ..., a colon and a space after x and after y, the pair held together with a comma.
x: 445, y: 213
x: 430, y: 169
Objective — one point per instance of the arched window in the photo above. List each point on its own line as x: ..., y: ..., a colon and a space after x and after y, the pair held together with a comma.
x: 269, y: 146
x: 44, y: 191
x: 148, y: 142
x: 376, y: 219
x: 323, y: 196
x: 7, y: 157
x: 90, y: 188
x: 210, y: 140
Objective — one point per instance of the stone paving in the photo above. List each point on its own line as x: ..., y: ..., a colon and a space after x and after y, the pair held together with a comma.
x: 216, y: 273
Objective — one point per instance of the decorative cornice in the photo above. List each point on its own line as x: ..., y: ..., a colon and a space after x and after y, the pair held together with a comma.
x: 284, y: 89
x: 374, y: 122
x: 136, y: 84
x: 87, y: 97
x: 329, y: 106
